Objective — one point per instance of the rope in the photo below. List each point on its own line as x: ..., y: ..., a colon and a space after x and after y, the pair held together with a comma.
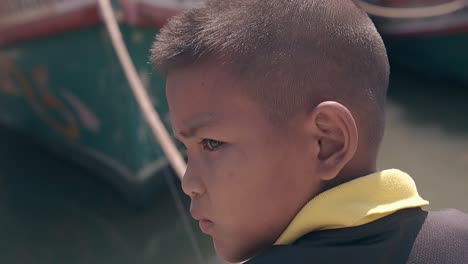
x: 413, y: 12
x: 159, y: 131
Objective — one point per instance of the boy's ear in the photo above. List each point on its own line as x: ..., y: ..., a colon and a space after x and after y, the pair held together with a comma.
x: 335, y: 136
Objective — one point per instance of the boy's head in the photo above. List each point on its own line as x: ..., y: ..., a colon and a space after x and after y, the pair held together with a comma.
x: 270, y: 98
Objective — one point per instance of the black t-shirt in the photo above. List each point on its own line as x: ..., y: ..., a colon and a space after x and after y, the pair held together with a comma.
x: 410, y: 236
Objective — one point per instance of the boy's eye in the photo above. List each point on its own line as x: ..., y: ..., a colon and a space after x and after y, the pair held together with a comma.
x: 211, y: 145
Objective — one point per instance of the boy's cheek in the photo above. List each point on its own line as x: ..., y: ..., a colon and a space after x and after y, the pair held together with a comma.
x: 230, y: 166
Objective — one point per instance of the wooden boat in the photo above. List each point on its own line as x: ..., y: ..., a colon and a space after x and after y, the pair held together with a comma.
x: 61, y: 85
x: 429, y: 37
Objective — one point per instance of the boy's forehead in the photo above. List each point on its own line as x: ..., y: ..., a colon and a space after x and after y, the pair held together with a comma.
x: 189, y: 115
x: 203, y: 94
x: 210, y: 74
x: 204, y: 89
x: 194, y: 122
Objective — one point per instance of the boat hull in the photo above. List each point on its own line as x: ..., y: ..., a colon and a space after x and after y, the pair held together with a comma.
x: 435, y: 46
x: 69, y: 92
x: 442, y: 56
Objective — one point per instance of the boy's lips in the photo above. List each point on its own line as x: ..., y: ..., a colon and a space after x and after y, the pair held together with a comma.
x: 206, y: 225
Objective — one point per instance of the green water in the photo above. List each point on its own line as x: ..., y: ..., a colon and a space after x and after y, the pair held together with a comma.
x: 53, y: 212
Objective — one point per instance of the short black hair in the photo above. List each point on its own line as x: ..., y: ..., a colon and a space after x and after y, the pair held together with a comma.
x: 297, y: 53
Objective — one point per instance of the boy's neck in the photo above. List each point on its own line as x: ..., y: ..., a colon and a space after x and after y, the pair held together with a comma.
x: 349, y: 173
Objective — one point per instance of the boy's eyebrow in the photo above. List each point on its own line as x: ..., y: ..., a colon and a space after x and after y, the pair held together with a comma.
x: 196, y: 123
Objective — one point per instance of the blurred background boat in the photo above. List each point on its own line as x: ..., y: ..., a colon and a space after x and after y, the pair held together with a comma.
x: 62, y: 85
x: 425, y: 36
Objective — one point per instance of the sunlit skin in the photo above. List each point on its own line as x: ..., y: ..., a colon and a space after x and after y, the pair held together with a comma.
x: 246, y: 177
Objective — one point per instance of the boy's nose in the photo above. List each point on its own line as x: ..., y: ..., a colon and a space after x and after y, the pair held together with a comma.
x: 192, y: 185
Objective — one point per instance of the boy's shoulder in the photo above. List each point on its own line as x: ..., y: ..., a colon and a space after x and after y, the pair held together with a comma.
x: 408, y: 236
x: 451, y: 219
x: 443, y: 238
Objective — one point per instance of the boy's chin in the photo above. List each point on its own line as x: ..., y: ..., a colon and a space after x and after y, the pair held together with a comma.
x: 230, y: 252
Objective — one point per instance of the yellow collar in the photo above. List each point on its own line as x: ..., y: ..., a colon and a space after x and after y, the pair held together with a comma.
x: 355, y: 203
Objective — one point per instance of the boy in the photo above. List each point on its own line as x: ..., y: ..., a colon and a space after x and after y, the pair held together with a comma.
x: 280, y: 105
